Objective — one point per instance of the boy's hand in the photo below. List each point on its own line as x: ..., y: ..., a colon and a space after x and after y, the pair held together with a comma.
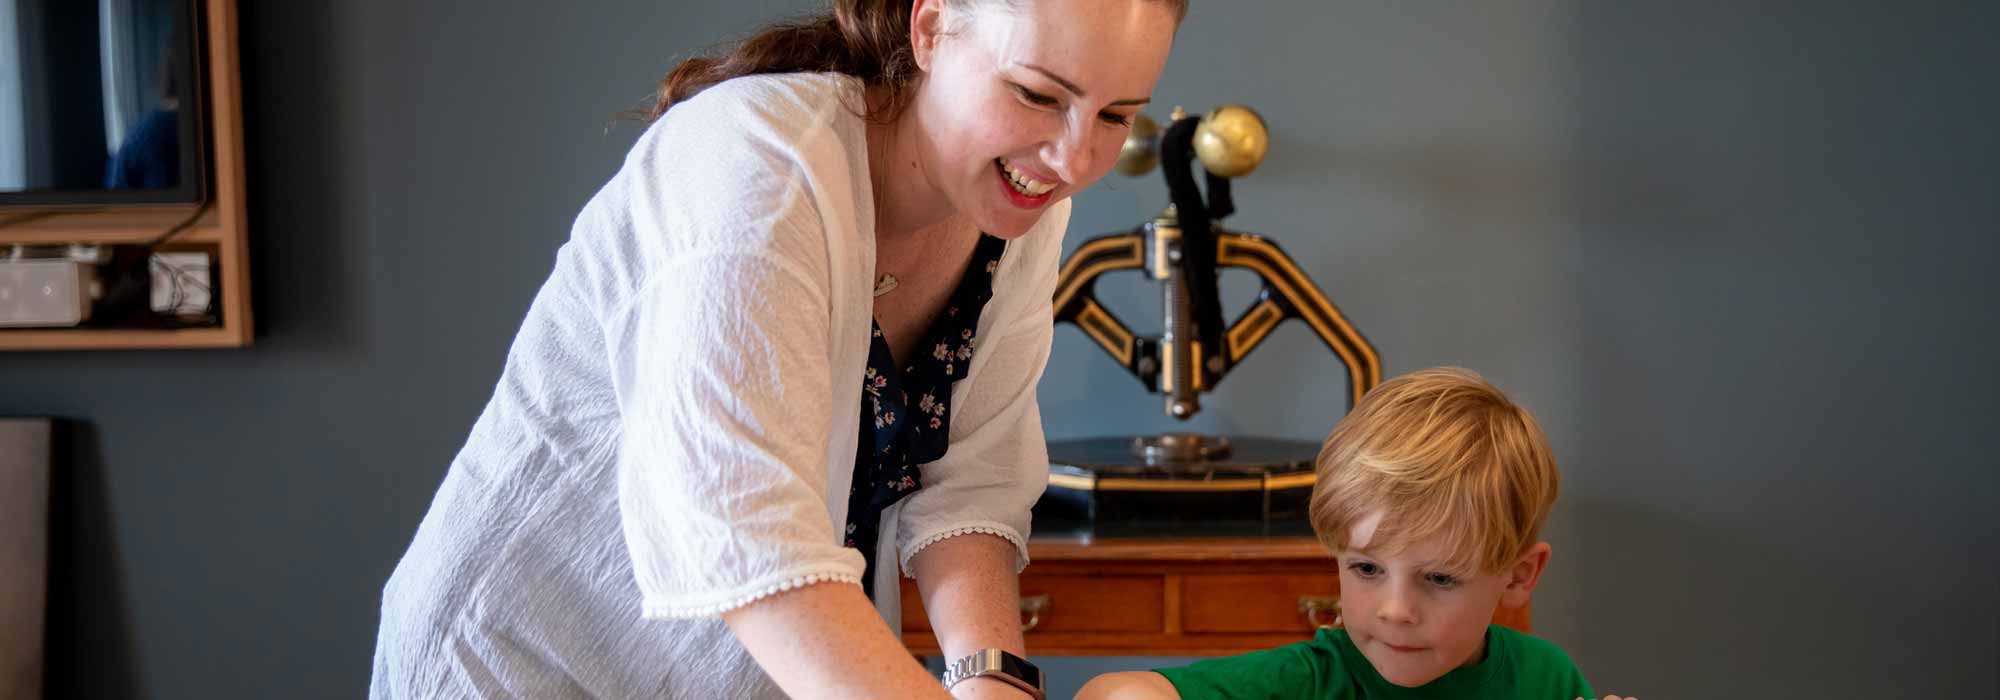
x: 1612, y: 697
x: 1129, y: 685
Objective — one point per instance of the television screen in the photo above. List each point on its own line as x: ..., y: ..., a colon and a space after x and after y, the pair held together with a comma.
x: 100, y: 102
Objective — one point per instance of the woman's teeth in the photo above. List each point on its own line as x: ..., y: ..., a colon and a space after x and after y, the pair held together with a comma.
x: 1025, y: 184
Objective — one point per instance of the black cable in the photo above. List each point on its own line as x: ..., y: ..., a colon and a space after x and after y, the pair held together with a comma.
x: 176, y: 276
x: 178, y: 228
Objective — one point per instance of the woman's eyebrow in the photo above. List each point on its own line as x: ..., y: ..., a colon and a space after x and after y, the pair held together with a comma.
x: 1077, y: 90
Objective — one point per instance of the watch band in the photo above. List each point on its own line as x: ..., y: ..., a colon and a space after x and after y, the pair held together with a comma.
x: 999, y: 665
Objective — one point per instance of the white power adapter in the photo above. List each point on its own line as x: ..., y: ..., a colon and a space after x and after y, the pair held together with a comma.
x: 46, y: 293
x: 180, y: 283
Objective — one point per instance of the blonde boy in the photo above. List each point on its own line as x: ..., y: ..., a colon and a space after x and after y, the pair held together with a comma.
x: 1431, y: 495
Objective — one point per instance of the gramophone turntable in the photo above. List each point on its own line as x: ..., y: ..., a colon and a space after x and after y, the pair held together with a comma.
x: 1150, y: 482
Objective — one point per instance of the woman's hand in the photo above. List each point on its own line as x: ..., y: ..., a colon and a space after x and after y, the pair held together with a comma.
x: 1612, y: 697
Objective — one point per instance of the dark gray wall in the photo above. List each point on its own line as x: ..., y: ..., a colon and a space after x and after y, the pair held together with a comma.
x: 1734, y: 259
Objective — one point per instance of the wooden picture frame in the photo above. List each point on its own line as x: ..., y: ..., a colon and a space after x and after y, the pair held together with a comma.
x: 221, y: 224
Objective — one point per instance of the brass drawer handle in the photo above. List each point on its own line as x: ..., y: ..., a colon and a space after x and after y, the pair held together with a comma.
x: 1033, y: 606
x: 1313, y: 606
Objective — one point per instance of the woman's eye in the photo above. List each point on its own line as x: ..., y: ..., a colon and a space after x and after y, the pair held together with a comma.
x: 1034, y: 98
x: 1115, y: 119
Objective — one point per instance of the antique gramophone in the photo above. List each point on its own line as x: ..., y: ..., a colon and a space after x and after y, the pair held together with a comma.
x: 1147, y: 483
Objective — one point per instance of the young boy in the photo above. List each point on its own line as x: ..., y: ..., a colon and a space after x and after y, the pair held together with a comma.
x: 1431, y: 496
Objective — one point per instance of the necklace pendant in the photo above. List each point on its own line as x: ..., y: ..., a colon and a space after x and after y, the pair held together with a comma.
x: 885, y: 285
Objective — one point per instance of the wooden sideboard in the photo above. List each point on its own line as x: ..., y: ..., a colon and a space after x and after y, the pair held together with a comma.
x: 1096, y: 596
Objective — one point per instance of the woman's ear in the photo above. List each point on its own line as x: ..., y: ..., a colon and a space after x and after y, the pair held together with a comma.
x: 927, y: 22
x: 1523, y: 574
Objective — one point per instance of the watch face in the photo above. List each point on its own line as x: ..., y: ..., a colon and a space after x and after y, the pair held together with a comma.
x: 1021, y: 668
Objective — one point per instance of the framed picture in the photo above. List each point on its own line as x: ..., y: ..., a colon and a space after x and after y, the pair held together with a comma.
x: 26, y: 457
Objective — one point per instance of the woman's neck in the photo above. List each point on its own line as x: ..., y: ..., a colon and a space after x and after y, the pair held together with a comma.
x: 908, y: 202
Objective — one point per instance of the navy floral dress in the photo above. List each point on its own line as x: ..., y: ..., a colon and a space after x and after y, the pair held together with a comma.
x: 905, y: 421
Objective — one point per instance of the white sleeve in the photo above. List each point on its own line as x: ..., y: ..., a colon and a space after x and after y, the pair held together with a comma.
x: 721, y: 362
x: 997, y: 464
x: 724, y: 396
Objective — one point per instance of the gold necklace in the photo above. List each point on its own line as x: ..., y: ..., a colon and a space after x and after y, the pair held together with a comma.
x: 885, y: 285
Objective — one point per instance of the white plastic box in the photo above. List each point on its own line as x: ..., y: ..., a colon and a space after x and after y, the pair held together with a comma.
x: 46, y: 293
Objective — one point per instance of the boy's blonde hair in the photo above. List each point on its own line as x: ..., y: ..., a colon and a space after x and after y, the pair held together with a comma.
x: 1445, y: 457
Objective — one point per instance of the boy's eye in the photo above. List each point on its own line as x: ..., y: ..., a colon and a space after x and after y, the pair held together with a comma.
x: 1364, y: 569
x: 1034, y: 98
x: 1442, y: 580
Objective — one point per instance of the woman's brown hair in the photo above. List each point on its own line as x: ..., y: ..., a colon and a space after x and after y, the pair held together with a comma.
x: 867, y: 39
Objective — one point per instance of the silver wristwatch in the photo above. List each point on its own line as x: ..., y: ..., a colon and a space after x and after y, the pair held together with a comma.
x: 998, y: 665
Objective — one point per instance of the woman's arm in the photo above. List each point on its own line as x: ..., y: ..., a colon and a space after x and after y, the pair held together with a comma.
x: 973, y: 599
x: 963, y: 535
x: 826, y: 641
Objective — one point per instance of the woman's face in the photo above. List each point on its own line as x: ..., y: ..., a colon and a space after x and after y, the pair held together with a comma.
x: 1024, y: 104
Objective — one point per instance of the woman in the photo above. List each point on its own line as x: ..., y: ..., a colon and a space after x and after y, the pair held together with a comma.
x: 789, y: 351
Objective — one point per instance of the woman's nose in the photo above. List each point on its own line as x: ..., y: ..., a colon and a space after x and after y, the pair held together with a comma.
x: 1069, y: 155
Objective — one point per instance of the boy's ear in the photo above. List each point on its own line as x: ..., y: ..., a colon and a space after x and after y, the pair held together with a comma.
x: 1523, y: 574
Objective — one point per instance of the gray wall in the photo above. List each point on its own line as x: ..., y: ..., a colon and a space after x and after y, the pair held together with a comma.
x: 1734, y: 259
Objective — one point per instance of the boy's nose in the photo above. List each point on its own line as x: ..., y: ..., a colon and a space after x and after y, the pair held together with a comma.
x: 1396, y: 609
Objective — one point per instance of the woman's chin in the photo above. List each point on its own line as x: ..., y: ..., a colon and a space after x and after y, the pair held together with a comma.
x: 1012, y: 223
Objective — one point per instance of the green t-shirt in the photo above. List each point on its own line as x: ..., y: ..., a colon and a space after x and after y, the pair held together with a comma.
x: 1330, y: 668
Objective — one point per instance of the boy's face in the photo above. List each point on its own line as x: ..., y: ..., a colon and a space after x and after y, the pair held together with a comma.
x: 1414, y: 619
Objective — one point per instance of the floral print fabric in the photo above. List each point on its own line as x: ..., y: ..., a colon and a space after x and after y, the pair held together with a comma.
x: 905, y: 419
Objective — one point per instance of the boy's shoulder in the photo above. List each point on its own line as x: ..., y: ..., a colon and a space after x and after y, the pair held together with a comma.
x: 1529, y: 645
x: 1315, y: 668
x: 1535, y: 662
x: 1528, y: 648
x: 1329, y: 667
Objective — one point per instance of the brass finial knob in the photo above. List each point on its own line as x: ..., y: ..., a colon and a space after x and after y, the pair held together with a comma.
x: 1231, y: 141
x: 1142, y: 147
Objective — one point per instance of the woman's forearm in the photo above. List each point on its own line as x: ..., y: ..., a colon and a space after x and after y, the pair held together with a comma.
x: 826, y: 641
x: 971, y: 594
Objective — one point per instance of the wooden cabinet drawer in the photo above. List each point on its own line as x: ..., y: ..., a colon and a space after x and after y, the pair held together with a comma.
x: 1076, y: 603
x: 1271, y: 603
x: 1251, y: 603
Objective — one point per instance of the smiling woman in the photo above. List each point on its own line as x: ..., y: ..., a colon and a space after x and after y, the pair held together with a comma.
x: 718, y: 439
